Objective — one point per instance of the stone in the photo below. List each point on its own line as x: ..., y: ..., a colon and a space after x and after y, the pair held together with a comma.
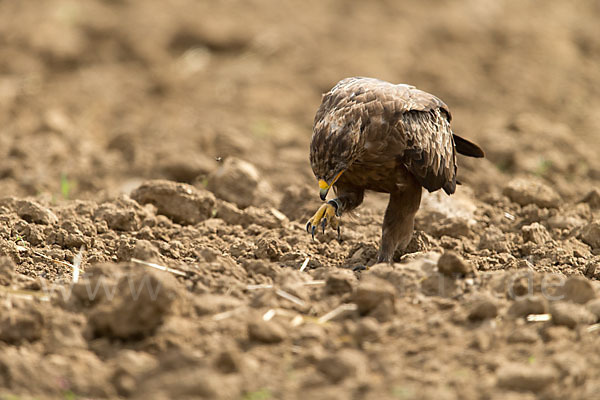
x: 144, y: 250
x: 141, y: 302
x: 347, y: 363
x: 266, y: 331
x: 523, y: 377
x: 375, y: 297
x: 451, y: 264
x: 529, y: 191
x: 525, y: 306
x: 571, y: 315
x: 592, y: 198
x: 535, y: 233
x: 578, y: 289
x: 181, y: 202
x: 482, y: 307
x: 238, y: 182
x: 32, y: 211
x: 590, y: 234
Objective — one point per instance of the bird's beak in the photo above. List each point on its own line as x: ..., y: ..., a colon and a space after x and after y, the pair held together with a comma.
x: 324, y: 186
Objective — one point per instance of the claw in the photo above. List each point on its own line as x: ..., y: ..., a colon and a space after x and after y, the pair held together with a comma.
x: 325, y: 215
x: 339, y: 231
x: 312, y: 231
x: 324, y: 224
x: 308, y: 227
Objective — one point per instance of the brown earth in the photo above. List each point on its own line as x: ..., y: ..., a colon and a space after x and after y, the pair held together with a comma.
x: 105, y: 105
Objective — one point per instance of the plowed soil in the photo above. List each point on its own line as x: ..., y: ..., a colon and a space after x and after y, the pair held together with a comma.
x: 155, y: 184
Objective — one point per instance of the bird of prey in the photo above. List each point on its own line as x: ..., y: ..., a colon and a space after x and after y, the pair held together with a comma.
x: 373, y: 135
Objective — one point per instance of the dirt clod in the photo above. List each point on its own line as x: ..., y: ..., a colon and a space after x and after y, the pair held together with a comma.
x: 141, y: 302
x: 183, y: 203
x: 375, y: 297
x: 570, y: 314
x: 453, y: 265
x: 526, y: 377
x: 529, y: 191
x: 266, y: 331
x: 578, y: 289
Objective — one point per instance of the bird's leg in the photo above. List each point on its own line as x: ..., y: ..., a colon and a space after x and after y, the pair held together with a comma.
x: 398, y: 222
x: 330, y: 212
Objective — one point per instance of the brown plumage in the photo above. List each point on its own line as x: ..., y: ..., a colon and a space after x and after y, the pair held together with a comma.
x: 373, y: 135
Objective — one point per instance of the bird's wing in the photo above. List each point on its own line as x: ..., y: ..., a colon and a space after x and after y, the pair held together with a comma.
x: 403, y: 122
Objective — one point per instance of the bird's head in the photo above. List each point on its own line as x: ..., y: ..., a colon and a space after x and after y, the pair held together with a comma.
x: 331, y: 154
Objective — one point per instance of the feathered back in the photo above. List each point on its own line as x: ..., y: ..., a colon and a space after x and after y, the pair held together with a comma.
x: 365, y: 120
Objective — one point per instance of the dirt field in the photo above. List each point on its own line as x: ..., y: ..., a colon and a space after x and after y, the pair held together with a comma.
x: 176, y: 132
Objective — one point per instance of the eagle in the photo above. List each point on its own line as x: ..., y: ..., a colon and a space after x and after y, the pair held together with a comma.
x: 373, y: 135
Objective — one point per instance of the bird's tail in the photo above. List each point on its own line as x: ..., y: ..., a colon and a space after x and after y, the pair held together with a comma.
x: 466, y: 148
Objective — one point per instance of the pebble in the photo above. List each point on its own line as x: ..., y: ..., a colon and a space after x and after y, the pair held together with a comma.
x: 181, y: 202
x: 535, y: 233
x: 592, y: 198
x: 525, y: 306
x: 579, y: 289
x: 529, y: 191
x: 525, y: 377
x: 266, y: 331
x: 451, y: 264
x: 31, y: 211
x: 141, y: 301
x: 482, y: 307
x: 347, y: 363
x: 570, y: 314
x: 375, y: 297
x: 238, y: 182
x: 590, y: 234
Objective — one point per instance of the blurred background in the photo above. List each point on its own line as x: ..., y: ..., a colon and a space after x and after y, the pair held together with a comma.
x: 96, y: 94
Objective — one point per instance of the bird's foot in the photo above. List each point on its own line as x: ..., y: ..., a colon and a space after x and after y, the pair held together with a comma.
x: 326, y: 214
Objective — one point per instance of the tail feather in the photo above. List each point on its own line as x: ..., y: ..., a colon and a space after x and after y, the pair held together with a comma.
x: 466, y: 148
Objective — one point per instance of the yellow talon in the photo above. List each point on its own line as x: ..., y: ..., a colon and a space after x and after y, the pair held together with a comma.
x: 324, y: 215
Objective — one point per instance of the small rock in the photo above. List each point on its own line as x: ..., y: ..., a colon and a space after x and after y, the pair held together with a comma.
x: 266, y: 331
x: 347, y: 363
x: 579, y: 289
x: 238, y: 182
x: 592, y: 198
x: 20, y: 322
x: 375, y: 297
x: 533, y: 378
x: 451, y: 264
x: 144, y: 250
x: 229, y: 213
x: 340, y: 282
x: 482, y: 307
x: 529, y: 191
x: 535, y: 233
x: 270, y: 248
x: 528, y: 305
x: 570, y: 314
x: 266, y: 217
x: 31, y: 211
x: 141, y: 301
x: 590, y: 234
x: 181, y: 202
x: 118, y: 218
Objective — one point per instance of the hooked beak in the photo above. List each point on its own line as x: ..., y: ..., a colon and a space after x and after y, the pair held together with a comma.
x: 324, y: 186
